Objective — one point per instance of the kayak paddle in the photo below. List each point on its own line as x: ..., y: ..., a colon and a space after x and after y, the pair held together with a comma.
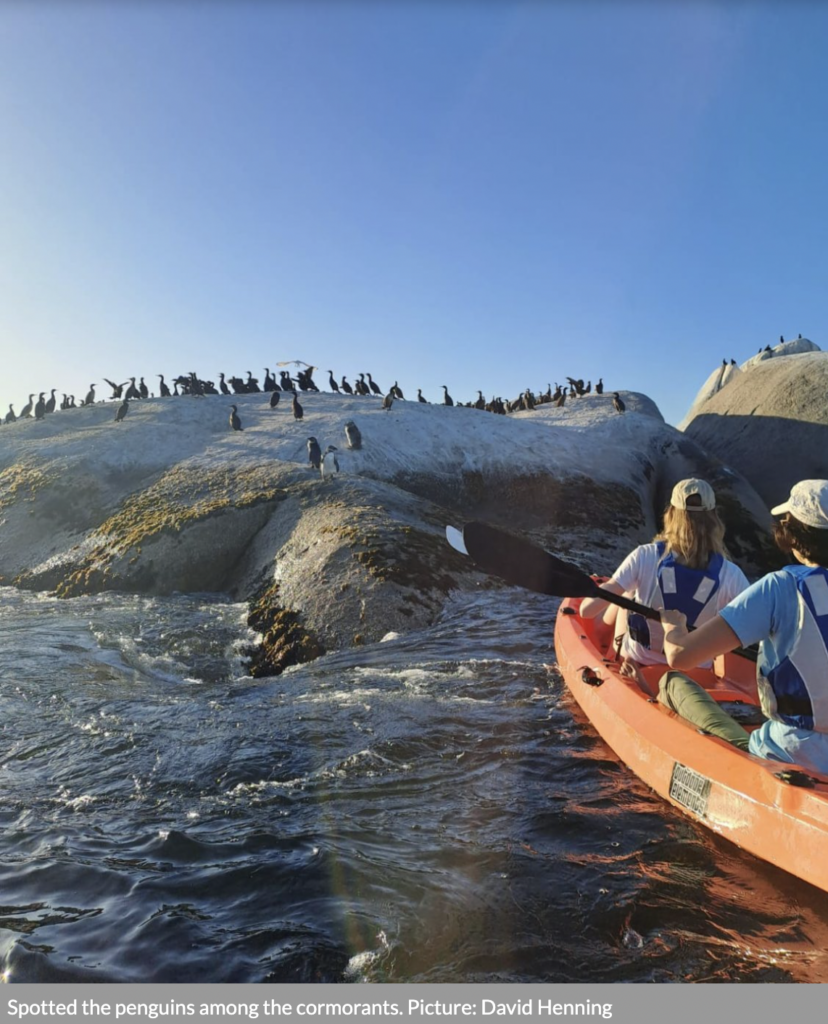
x: 523, y: 564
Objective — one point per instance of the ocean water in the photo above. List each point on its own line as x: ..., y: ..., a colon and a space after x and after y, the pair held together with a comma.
x: 432, y: 808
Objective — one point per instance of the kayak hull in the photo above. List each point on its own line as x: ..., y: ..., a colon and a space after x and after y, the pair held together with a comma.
x: 739, y: 796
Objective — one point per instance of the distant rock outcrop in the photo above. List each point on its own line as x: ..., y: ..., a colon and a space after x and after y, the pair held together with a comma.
x: 174, y: 500
x: 771, y: 423
x: 729, y: 372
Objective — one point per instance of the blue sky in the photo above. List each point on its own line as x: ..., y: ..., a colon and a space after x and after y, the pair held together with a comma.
x: 481, y: 194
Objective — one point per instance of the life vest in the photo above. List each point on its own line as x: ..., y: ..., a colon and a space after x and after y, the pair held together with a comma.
x: 796, y: 691
x: 680, y: 588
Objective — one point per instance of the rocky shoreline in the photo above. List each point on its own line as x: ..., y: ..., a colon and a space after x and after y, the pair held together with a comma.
x: 173, y: 501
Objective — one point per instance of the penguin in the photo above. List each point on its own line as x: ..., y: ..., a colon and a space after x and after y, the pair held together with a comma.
x: 396, y: 392
x: 274, y: 399
x: 123, y: 409
x: 332, y: 383
x: 617, y: 402
x: 235, y: 422
x: 447, y: 399
x: 143, y: 390
x: 346, y: 387
x: 314, y: 453
x: 388, y: 401
x: 330, y: 463
x: 163, y: 390
x: 420, y: 396
x: 50, y: 402
x: 298, y: 411
x: 40, y: 407
x: 10, y: 417
x: 353, y: 435
x: 377, y: 390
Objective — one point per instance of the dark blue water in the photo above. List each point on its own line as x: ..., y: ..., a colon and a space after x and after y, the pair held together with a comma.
x: 433, y: 808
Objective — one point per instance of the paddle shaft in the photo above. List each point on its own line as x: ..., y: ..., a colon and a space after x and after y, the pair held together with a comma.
x: 525, y: 564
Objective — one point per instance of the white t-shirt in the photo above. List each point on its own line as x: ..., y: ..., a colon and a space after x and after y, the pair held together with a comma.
x: 638, y: 575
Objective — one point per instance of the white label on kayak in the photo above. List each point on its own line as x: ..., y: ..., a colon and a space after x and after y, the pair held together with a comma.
x: 703, y: 590
x: 668, y: 580
x: 690, y: 789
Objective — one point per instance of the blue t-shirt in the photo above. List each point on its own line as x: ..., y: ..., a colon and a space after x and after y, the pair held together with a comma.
x: 766, y: 613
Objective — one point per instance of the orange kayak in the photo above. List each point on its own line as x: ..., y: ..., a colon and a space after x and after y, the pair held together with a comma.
x: 763, y: 806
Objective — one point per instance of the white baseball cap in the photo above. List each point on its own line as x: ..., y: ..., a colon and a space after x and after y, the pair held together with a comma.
x: 808, y: 503
x: 685, y: 489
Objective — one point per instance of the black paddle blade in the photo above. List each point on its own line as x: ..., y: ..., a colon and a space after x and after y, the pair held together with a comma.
x: 524, y: 564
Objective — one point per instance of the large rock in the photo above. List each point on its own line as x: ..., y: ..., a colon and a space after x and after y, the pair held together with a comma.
x: 770, y: 423
x: 172, y: 500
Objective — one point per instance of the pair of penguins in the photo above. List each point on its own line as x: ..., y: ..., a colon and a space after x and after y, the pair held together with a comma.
x: 328, y: 464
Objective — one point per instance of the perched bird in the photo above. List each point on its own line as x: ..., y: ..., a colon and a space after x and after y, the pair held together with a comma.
x: 481, y: 401
x: 388, y: 401
x: 143, y: 390
x: 26, y: 411
x: 132, y: 391
x: 274, y: 399
x: 50, y: 402
x: 346, y: 387
x: 314, y: 453
x: 123, y: 409
x: 332, y: 383
x: 447, y: 399
x: 40, y: 407
x: 330, y: 463
x: 559, y: 404
x: 396, y: 391
x: 373, y: 385
x: 420, y: 396
x: 163, y: 390
x: 235, y: 422
x: 251, y: 384
x: 298, y: 411
x: 599, y: 387
x: 353, y: 435
x: 223, y: 386
x: 269, y: 382
x: 617, y: 403
x: 10, y: 417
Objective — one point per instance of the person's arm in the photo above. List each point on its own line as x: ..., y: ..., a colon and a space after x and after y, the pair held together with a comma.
x: 684, y: 649
x: 592, y: 606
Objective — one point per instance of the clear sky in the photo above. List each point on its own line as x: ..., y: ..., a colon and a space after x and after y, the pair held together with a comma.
x: 479, y: 194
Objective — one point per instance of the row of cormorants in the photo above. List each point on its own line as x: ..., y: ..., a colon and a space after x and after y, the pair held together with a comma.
x: 191, y: 384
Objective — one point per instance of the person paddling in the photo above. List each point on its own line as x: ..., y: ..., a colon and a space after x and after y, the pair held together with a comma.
x: 685, y: 568
x: 786, y: 612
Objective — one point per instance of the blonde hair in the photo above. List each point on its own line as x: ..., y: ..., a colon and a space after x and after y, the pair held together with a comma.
x: 693, y: 536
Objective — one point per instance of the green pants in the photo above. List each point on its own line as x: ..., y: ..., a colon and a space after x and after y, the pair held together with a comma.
x: 679, y: 693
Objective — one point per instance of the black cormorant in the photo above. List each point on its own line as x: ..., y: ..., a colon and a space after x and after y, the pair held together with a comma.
x: 420, y: 396
x: 298, y: 411
x: 50, y: 402
x: 40, y: 407
x: 163, y: 390
x: 123, y: 409
x: 447, y: 399
x: 235, y: 422
x: 274, y: 399
x: 346, y: 387
x: 373, y: 385
x: 332, y: 383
